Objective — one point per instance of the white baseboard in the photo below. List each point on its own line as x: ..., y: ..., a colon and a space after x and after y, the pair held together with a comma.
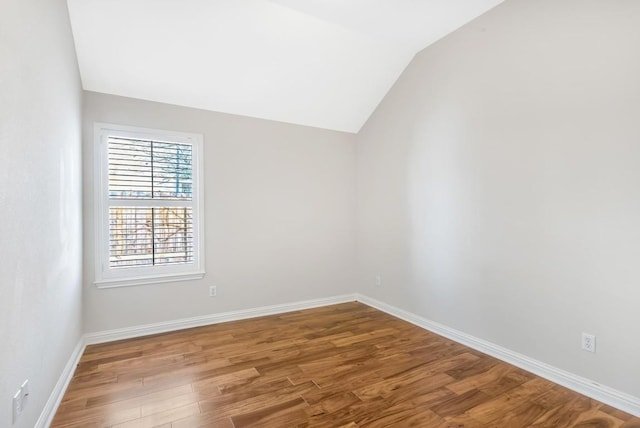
x: 613, y: 397
x: 618, y: 399
x: 163, y: 327
x: 51, y: 406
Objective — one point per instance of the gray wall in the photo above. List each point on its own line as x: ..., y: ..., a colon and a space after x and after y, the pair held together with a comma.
x: 499, y: 185
x: 497, y: 193
x: 279, y: 215
x: 40, y: 198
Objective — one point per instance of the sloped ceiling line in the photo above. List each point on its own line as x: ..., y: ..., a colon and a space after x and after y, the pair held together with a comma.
x: 320, y: 63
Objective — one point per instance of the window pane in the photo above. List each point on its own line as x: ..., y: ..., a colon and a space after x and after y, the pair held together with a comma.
x: 172, y: 178
x: 130, y: 169
x: 173, y: 230
x: 150, y: 236
x: 130, y: 237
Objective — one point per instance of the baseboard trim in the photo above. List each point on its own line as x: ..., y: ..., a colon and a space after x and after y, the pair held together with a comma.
x: 181, y: 324
x: 613, y: 397
x: 602, y: 393
x: 51, y: 406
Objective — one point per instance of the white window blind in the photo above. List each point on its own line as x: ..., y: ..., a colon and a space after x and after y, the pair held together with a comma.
x: 150, y: 205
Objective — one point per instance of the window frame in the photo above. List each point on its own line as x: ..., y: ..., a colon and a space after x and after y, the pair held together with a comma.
x: 107, y: 277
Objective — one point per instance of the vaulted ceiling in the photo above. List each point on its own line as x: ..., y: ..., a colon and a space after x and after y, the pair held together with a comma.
x: 321, y: 63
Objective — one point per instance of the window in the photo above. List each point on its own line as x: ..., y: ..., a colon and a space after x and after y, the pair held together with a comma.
x: 148, y: 206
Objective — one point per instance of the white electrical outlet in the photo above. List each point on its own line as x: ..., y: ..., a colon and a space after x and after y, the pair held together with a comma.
x: 378, y: 280
x: 588, y: 342
x: 212, y: 291
x: 17, y: 405
x: 25, y: 392
x: 20, y: 400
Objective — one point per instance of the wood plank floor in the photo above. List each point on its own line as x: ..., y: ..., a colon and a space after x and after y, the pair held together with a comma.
x: 345, y: 365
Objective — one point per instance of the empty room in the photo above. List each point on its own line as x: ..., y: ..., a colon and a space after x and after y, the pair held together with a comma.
x: 319, y: 213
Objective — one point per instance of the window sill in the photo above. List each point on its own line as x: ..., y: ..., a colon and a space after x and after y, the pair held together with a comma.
x: 128, y: 282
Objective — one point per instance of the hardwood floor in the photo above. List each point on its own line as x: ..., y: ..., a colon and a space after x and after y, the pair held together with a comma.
x: 345, y: 365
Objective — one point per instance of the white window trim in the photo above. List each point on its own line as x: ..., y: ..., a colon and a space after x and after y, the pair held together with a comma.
x: 108, y: 278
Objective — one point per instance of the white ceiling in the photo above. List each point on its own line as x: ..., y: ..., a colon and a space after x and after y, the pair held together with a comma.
x: 322, y: 63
